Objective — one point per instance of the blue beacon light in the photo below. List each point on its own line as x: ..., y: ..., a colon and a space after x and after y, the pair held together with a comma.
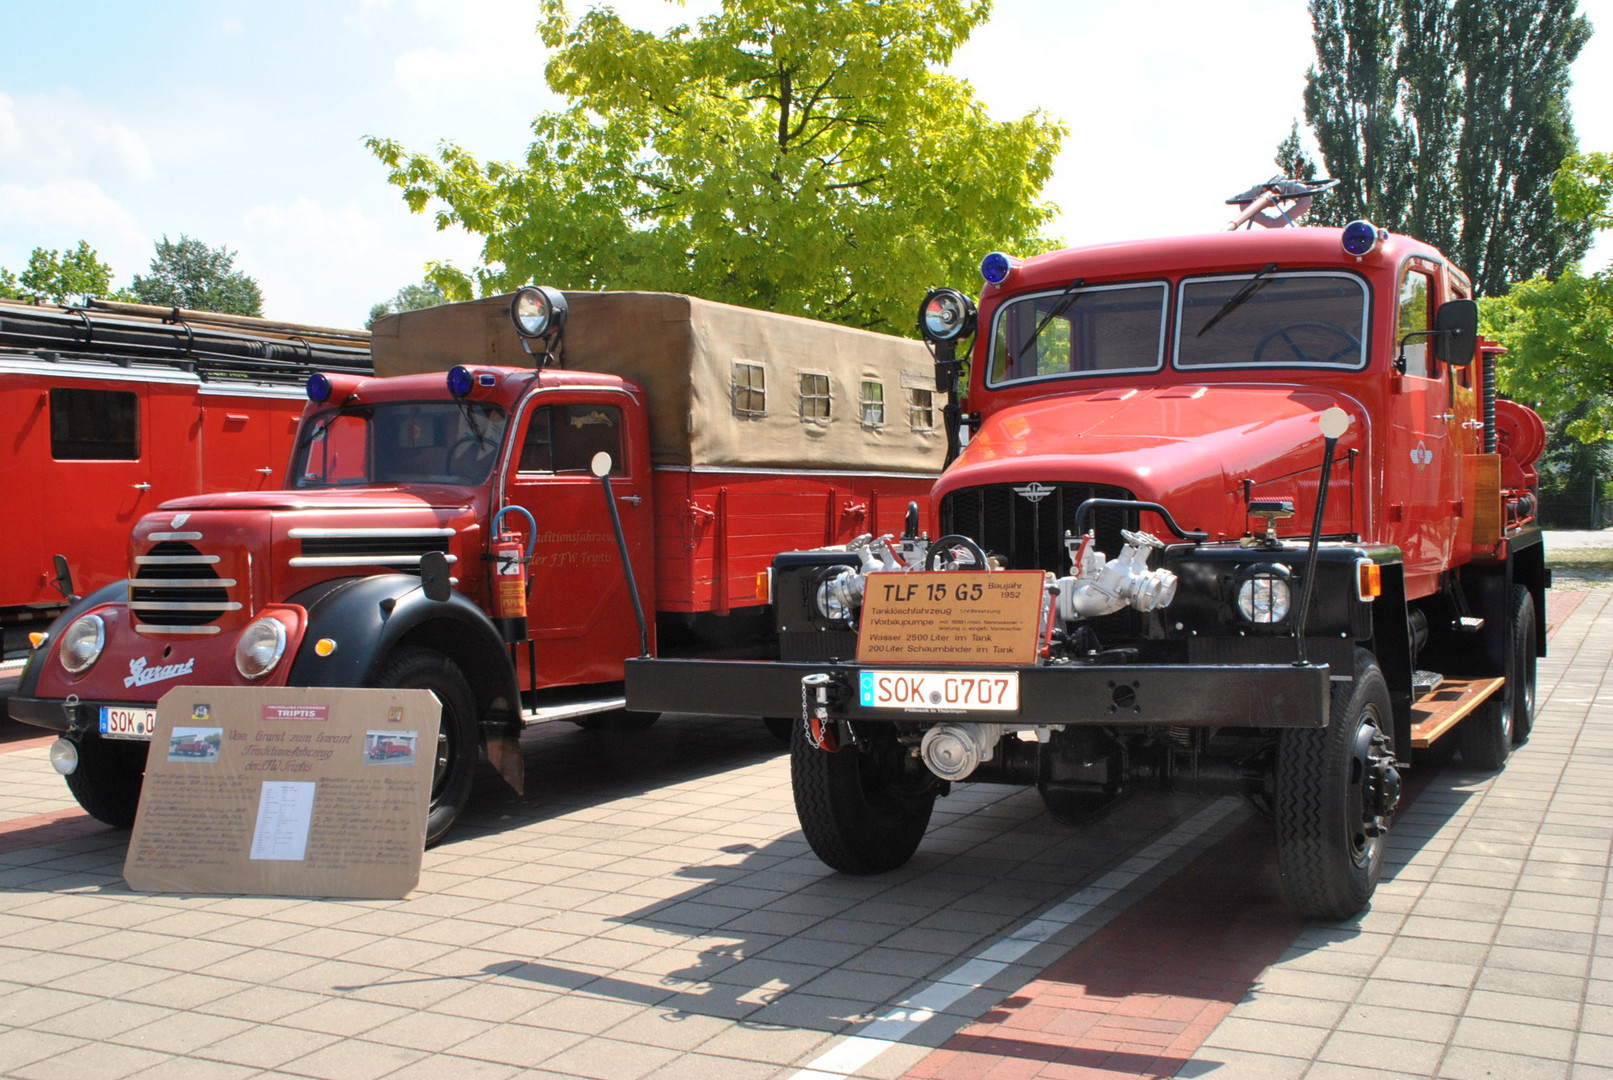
x: 995, y: 267
x: 460, y: 380
x: 318, y: 387
x: 1359, y: 238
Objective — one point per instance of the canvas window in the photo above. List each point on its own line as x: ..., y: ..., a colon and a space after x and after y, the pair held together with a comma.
x: 920, y: 409
x: 749, y: 389
x: 871, y: 402
x: 814, y: 397
x: 94, y: 425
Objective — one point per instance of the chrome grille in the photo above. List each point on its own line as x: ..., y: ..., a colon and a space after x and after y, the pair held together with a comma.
x: 1025, y: 523
x: 176, y: 589
x: 401, y: 548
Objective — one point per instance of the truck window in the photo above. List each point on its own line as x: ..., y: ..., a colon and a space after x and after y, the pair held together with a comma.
x: 871, y: 402
x: 920, y: 409
x: 94, y: 425
x: 814, y: 397
x: 750, y: 389
x: 410, y: 442
x: 1097, y: 331
x: 1271, y: 320
x: 1413, y: 313
x: 565, y: 438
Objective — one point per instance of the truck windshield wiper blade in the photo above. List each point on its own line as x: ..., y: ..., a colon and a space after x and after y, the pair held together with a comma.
x: 1255, y: 284
x: 1065, y: 299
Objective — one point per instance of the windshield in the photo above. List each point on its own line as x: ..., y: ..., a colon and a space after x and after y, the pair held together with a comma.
x: 406, y: 442
x: 1100, y: 330
x: 1291, y: 319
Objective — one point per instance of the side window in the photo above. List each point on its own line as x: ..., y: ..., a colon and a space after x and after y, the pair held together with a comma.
x: 920, y: 409
x: 749, y: 389
x: 94, y: 425
x: 814, y: 397
x: 565, y: 438
x: 1414, y: 314
x: 871, y: 403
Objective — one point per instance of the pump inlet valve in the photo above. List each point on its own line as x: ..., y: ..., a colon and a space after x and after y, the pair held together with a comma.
x: 1102, y: 587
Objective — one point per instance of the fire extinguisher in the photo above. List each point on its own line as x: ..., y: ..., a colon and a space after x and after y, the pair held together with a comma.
x: 510, y: 582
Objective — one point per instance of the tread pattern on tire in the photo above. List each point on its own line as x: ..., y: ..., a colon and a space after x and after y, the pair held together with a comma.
x: 108, y: 779
x: 414, y: 668
x: 844, y: 831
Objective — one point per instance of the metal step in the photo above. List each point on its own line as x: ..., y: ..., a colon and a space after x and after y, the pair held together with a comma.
x: 1424, y: 683
x: 570, y: 710
x: 1468, y: 624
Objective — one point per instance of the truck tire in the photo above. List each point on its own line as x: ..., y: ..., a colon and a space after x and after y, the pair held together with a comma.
x: 458, y: 746
x: 1335, y: 796
x: 108, y: 778
x: 1490, y: 732
x: 860, y: 813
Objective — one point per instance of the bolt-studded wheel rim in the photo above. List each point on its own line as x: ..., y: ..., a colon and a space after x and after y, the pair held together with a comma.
x: 1374, y: 788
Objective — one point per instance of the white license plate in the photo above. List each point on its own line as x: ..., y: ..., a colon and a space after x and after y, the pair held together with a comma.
x: 121, y: 722
x: 940, y: 691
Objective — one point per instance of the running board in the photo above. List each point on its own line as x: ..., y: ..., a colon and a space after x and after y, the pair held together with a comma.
x: 1440, y: 711
x: 571, y: 710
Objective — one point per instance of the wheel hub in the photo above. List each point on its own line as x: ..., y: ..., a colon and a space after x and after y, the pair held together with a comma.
x: 1380, y: 793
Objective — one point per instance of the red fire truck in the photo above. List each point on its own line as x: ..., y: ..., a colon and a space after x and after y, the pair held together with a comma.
x: 459, y: 525
x: 1349, y: 570
x: 113, y: 408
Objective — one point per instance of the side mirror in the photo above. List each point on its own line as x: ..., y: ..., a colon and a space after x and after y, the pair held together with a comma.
x: 1456, y: 326
x: 434, y: 576
x: 600, y: 465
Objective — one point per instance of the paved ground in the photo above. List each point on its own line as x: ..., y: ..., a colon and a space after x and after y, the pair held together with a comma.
x: 652, y: 911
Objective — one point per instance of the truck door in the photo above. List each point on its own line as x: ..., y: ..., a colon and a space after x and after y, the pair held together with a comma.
x: 579, y: 611
x: 1422, y: 482
x: 100, y: 460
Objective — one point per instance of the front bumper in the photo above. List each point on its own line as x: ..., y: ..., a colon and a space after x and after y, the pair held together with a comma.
x: 1177, y: 695
x: 64, y: 717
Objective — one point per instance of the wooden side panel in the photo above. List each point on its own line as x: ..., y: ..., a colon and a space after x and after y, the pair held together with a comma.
x: 1483, y: 495
x: 716, y: 531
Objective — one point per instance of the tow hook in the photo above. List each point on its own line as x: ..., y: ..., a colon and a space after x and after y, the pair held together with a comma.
x: 817, y: 692
x: 1381, y: 794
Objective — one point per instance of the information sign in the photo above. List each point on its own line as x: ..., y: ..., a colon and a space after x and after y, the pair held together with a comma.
x: 951, y: 617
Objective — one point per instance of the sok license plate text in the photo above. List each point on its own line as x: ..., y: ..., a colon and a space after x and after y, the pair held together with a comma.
x: 940, y: 691
x: 124, y: 722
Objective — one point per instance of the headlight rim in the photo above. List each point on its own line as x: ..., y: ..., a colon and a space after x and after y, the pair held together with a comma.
x: 69, y: 638
x: 280, y: 636
x: 1282, y: 586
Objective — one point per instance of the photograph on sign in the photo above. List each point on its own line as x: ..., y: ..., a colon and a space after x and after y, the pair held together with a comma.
x: 951, y: 617
x: 275, y: 791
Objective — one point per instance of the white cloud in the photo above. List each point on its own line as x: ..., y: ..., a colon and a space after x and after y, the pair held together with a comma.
x: 10, y: 131
x: 60, y: 135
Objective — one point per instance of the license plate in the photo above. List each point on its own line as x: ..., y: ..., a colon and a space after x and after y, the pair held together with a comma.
x: 121, y: 722
x: 940, y: 691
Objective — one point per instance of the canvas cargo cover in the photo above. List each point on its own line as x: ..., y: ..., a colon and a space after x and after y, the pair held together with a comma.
x: 682, y: 350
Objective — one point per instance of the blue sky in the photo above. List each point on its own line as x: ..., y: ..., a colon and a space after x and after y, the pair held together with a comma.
x: 241, y: 123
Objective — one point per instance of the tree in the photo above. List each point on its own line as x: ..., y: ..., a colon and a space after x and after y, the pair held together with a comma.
x: 409, y: 298
x: 189, y: 274
x: 1445, y: 120
x: 809, y: 159
x: 60, y: 276
x: 1583, y: 189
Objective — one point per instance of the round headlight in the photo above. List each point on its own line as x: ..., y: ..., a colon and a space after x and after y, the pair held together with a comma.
x: 260, y: 647
x: 538, y: 311
x: 1264, y: 598
x: 82, y: 643
x: 946, y: 315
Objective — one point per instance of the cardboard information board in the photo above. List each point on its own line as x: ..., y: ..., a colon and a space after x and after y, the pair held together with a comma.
x: 956, y: 617
x: 285, y: 791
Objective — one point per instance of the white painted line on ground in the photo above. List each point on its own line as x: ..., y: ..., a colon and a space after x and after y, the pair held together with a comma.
x: 855, y: 1051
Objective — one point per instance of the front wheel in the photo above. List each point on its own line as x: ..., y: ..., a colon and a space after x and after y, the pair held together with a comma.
x: 108, y: 779
x: 1336, y: 793
x: 862, y: 812
x: 457, y: 743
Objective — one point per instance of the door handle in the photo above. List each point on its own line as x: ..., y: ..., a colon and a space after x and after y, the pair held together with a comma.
x: 266, y: 470
x: 634, y: 499
x: 142, y: 487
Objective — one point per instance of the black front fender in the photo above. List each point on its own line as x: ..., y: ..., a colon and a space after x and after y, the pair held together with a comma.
x: 28, y: 682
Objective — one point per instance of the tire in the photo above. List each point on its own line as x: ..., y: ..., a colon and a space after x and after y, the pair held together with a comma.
x: 780, y: 727
x: 860, y: 811
x: 1504, y: 721
x: 458, y: 740
x: 108, y: 779
x: 1335, y: 797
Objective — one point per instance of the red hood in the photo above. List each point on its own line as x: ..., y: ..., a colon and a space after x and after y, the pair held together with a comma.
x: 1189, y: 448
x: 415, y: 496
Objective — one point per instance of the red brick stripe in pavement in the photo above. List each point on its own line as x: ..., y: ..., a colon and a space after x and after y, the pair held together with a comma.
x: 52, y: 828
x: 1138, y: 998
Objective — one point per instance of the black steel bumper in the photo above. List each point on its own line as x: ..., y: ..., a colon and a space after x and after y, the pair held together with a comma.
x: 1180, y: 695
x: 57, y: 715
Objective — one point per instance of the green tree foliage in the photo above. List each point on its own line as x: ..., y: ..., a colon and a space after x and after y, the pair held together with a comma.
x: 1445, y: 120
x: 409, y: 298
x: 804, y: 158
x: 189, y: 274
x: 1583, y: 189
x: 60, y: 276
x: 1559, y: 339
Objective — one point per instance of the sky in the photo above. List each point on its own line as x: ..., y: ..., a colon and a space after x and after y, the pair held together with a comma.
x: 242, y: 124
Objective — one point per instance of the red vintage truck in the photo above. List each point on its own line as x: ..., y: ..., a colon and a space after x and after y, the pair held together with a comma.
x: 1346, y: 568
x: 441, y: 525
x: 113, y: 408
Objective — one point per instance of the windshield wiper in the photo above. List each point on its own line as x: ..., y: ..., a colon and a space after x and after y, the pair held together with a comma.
x: 1255, y: 284
x: 319, y: 429
x: 1066, y: 298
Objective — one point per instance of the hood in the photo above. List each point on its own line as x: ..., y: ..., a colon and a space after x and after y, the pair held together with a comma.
x: 1190, y: 448
x: 415, y: 496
